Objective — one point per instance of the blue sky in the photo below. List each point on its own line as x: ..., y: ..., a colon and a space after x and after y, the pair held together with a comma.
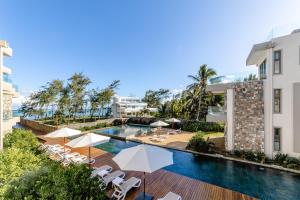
x: 146, y: 44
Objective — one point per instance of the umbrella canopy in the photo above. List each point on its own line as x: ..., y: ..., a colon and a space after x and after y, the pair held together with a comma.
x: 89, y: 139
x: 143, y: 158
x: 63, y: 132
x: 159, y: 124
x: 173, y: 120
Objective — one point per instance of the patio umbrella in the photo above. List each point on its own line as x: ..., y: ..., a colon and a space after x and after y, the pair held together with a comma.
x: 173, y: 120
x: 63, y: 132
x: 159, y: 124
x: 88, y: 140
x: 143, y: 158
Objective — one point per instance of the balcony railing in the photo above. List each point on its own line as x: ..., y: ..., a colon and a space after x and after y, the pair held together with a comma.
x: 6, y: 78
x: 215, y: 110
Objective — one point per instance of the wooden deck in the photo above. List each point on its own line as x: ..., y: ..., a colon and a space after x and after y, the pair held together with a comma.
x: 161, y: 182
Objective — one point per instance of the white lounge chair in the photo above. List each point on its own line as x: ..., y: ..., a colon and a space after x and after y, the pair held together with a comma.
x: 97, y: 171
x: 171, y: 196
x: 120, y: 190
x: 82, y: 159
x: 109, y: 178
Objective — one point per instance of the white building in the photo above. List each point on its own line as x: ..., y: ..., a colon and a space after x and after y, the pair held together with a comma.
x: 278, y: 62
x: 264, y: 115
x: 127, y: 106
x: 9, y: 91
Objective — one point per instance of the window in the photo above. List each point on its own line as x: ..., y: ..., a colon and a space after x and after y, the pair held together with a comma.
x: 277, y: 62
x: 277, y: 139
x: 277, y: 100
x: 262, y: 70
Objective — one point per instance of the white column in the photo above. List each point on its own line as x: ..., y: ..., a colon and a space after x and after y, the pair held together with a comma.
x: 1, y: 98
x: 230, y: 120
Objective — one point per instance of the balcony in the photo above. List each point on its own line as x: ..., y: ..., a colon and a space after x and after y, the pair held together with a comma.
x: 7, y: 51
x: 6, y: 70
x: 216, y: 114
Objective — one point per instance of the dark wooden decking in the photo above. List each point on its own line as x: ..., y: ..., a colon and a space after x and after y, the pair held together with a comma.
x: 161, y: 182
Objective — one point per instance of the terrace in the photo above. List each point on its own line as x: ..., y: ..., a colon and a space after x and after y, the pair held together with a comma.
x: 160, y: 182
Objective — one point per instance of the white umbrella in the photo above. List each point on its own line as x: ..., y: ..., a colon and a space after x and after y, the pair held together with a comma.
x: 88, y: 140
x: 159, y: 124
x: 143, y: 158
x: 173, y: 120
x: 63, y: 132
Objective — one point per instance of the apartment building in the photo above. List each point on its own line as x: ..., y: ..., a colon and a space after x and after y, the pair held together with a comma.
x: 264, y: 115
x: 9, y: 91
x: 127, y: 106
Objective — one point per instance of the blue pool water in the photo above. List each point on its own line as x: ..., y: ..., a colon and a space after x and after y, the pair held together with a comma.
x: 262, y: 183
x: 124, y: 131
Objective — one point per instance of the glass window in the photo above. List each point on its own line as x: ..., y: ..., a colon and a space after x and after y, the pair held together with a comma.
x: 277, y: 62
x: 277, y: 100
x: 262, y: 70
x: 277, y: 138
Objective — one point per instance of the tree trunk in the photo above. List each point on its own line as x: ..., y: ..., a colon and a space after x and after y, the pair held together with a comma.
x: 199, y: 106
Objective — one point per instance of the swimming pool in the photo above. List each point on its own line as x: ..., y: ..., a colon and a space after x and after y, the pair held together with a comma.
x: 125, y: 130
x: 255, y: 181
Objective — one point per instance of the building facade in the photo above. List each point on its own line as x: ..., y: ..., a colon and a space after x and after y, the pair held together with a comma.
x: 264, y: 115
x: 127, y: 106
x: 9, y: 91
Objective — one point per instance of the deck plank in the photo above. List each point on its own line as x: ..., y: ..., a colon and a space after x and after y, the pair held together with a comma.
x: 160, y: 182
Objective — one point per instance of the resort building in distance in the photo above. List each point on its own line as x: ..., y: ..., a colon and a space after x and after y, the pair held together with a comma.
x: 128, y: 107
x: 264, y: 115
x: 8, y: 91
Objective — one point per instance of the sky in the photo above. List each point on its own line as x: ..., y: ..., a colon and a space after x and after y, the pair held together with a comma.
x: 144, y: 44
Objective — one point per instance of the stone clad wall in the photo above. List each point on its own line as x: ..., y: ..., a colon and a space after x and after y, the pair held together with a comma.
x: 249, y: 116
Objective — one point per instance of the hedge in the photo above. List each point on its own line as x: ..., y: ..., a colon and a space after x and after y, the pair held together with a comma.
x: 26, y: 173
x: 141, y: 120
x: 194, y: 126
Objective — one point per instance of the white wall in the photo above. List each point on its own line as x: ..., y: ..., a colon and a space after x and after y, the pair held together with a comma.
x: 230, y: 119
x: 290, y: 74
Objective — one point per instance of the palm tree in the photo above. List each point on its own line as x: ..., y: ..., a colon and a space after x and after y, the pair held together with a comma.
x: 251, y: 77
x: 200, y: 83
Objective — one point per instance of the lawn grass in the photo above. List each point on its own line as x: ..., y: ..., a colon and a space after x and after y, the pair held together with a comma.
x: 211, y: 134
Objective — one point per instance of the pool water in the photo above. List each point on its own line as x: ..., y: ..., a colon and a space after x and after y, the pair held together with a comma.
x: 125, y: 130
x: 255, y: 181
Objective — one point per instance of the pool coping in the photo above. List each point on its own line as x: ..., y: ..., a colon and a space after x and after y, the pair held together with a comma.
x: 277, y: 167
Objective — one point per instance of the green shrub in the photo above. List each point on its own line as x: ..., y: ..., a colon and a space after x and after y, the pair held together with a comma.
x: 291, y: 160
x: 280, y: 158
x: 21, y: 139
x: 293, y: 166
x: 55, y: 182
x: 254, y: 156
x: 117, y: 122
x: 199, y: 144
x: 194, y: 126
x: 97, y: 126
x: 238, y: 153
x: 141, y: 120
x: 14, y: 163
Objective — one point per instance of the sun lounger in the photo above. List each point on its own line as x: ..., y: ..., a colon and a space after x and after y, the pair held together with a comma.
x: 82, y: 159
x: 171, y: 196
x: 157, y: 138
x: 101, y: 171
x: 120, y: 190
x: 109, y: 178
